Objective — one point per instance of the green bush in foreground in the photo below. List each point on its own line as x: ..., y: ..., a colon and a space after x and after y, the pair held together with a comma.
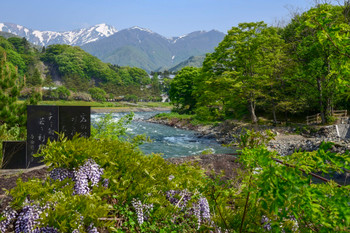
x: 131, y: 177
x: 108, y: 185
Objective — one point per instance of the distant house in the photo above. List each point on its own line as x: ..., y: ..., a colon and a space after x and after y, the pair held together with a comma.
x: 48, y: 88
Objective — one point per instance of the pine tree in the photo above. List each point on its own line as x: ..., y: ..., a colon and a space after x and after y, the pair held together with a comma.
x: 12, y: 113
x: 34, y: 79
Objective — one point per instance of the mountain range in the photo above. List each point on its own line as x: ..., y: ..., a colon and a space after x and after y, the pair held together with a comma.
x: 135, y: 47
x: 76, y: 37
x: 149, y: 50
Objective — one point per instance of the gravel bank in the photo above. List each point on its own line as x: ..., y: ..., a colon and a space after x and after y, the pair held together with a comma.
x: 285, y: 143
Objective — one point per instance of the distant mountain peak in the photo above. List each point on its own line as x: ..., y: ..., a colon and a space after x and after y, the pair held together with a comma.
x: 141, y: 29
x: 105, y: 29
x: 139, y: 47
x: 73, y: 37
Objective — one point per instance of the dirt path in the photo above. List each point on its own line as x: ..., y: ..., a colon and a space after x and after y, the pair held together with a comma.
x: 8, y: 178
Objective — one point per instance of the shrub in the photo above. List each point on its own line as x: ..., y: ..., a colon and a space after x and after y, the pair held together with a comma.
x: 128, y: 179
x: 61, y: 93
x: 131, y: 98
x: 97, y: 94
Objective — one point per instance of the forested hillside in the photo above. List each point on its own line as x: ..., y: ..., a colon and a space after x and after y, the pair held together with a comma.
x: 74, y: 70
x: 259, y: 70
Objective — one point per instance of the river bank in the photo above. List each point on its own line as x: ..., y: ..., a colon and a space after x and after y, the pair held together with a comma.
x: 286, y: 141
x: 128, y: 109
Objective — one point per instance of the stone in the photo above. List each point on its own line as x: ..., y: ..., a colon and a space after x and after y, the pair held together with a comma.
x: 75, y: 119
x: 42, y: 124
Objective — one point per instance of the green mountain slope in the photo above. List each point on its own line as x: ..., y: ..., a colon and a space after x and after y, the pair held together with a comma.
x: 194, y: 61
x: 142, y: 48
x: 70, y: 66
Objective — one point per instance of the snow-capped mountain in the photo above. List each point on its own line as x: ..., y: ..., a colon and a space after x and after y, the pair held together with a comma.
x: 134, y: 46
x: 76, y: 37
x: 151, y: 51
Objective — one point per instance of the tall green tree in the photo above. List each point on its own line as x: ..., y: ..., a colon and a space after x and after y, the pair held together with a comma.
x: 34, y: 79
x: 322, y: 50
x: 12, y: 113
x: 182, y: 88
x: 156, y: 87
x: 246, y: 61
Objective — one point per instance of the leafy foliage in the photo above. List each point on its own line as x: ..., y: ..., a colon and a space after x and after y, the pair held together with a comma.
x: 97, y: 94
x: 147, y: 194
x: 182, y: 89
x: 299, y: 69
x: 106, y: 127
x: 11, y: 112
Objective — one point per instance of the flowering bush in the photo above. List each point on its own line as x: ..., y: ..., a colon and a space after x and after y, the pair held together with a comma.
x: 97, y: 181
x: 109, y: 185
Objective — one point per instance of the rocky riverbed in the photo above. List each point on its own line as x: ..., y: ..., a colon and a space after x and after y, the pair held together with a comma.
x: 286, y: 141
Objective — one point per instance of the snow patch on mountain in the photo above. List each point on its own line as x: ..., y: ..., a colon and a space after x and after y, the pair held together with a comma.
x: 174, y: 40
x: 38, y: 35
x: 141, y: 29
x: 74, y: 37
x: 105, y: 29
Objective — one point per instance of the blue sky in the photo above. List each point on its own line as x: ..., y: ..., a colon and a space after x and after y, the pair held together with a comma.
x: 166, y: 17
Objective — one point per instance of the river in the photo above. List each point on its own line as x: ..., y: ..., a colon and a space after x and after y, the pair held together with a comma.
x: 169, y: 141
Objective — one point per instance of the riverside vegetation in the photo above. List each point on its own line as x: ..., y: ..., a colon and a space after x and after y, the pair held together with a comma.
x: 275, y: 72
x: 105, y: 183
x: 110, y: 185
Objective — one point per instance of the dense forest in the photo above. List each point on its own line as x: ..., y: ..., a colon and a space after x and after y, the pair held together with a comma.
x: 259, y: 70
x: 70, y: 72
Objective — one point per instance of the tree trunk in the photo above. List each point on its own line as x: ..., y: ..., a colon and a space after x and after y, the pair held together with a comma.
x: 320, y: 101
x: 252, y: 112
x: 274, y: 113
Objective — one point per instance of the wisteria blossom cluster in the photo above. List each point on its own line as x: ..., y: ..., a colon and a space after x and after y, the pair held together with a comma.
x: 84, y: 177
x: 90, y: 171
x: 60, y: 174
x: 181, y: 202
x: 46, y: 230
x: 142, y: 210
x: 200, y: 209
x: 266, y: 222
x: 25, y: 221
x: 92, y: 229
x: 9, y: 215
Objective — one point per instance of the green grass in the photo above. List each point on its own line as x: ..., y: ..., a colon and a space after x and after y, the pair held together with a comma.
x: 104, y: 104
x: 174, y: 115
x: 155, y: 104
x: 81, y: 103
x: 191, y: 118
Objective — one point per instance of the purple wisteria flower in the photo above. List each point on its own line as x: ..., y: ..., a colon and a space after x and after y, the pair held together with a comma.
x: 9, y: 215
x: 142, y: 210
